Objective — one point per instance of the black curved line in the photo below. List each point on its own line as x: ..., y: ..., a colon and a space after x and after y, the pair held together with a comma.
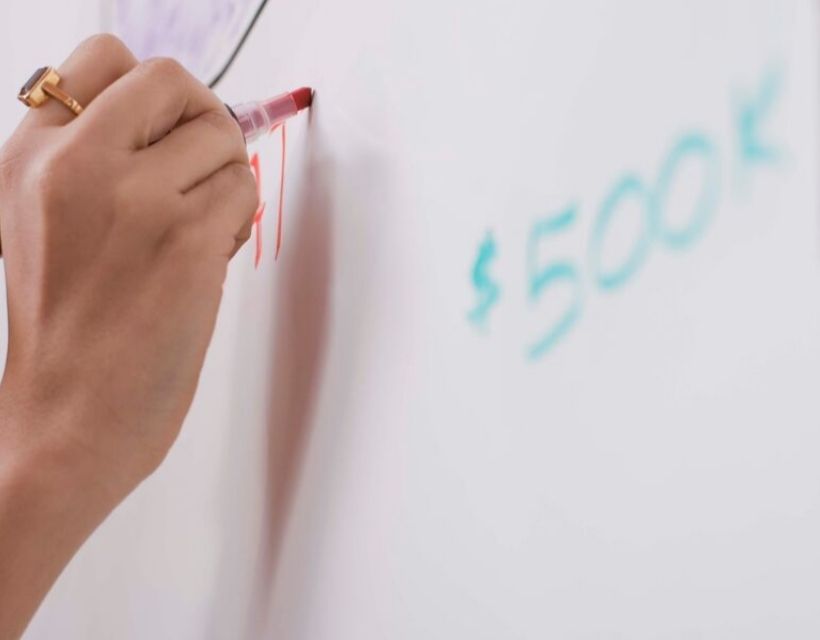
x: 238, y: 48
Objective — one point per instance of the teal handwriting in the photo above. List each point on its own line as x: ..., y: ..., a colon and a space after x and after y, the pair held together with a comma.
x: 655, y: 231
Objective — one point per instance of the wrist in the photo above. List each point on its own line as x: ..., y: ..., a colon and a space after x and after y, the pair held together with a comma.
x: 50, y: 502
x: 41, y: 463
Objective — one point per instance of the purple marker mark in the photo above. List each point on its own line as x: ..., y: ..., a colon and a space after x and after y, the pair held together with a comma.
x: 201, y: 34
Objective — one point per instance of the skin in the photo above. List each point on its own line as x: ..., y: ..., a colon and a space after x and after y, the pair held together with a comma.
x: 117, y: 228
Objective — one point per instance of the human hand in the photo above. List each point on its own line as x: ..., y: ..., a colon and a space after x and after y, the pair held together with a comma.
x: 117, y: 230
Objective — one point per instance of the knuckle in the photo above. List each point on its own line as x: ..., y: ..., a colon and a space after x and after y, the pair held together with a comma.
x: 250, y: 197
x: 221, y: 121
x: 165, y: 69
x: 245, y: 233
x: 244, y: 185
x: 106, y: 46
x: 52, y: 173
x: 240, y: 174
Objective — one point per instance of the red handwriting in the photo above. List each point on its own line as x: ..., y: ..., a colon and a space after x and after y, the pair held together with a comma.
x: 260, y: 212
x: 257, y: 217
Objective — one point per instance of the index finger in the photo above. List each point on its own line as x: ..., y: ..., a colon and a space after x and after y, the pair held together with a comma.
x: 149, y: 101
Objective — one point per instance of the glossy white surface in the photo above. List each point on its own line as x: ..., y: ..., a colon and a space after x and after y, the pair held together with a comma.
x: 364, y: 463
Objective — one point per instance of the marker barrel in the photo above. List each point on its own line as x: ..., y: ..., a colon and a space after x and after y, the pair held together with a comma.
x: 257, y: 118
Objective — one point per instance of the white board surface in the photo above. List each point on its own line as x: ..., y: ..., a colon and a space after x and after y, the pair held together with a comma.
x: 609, y: 428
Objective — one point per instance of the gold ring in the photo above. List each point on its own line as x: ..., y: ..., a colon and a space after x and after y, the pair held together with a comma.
x: 44, y: 85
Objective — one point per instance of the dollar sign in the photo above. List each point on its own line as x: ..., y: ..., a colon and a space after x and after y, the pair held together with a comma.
x: 487, y: 289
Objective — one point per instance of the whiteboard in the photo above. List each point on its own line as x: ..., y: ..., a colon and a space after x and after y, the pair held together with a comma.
x: 539, y: 358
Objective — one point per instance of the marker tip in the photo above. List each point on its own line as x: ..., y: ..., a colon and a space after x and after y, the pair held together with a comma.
x: 303, y: 97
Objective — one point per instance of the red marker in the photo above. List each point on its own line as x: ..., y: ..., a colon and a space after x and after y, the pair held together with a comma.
x: 257, y: 118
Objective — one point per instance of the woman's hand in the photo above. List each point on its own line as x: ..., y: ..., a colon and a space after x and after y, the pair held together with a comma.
x: 117, y: 230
